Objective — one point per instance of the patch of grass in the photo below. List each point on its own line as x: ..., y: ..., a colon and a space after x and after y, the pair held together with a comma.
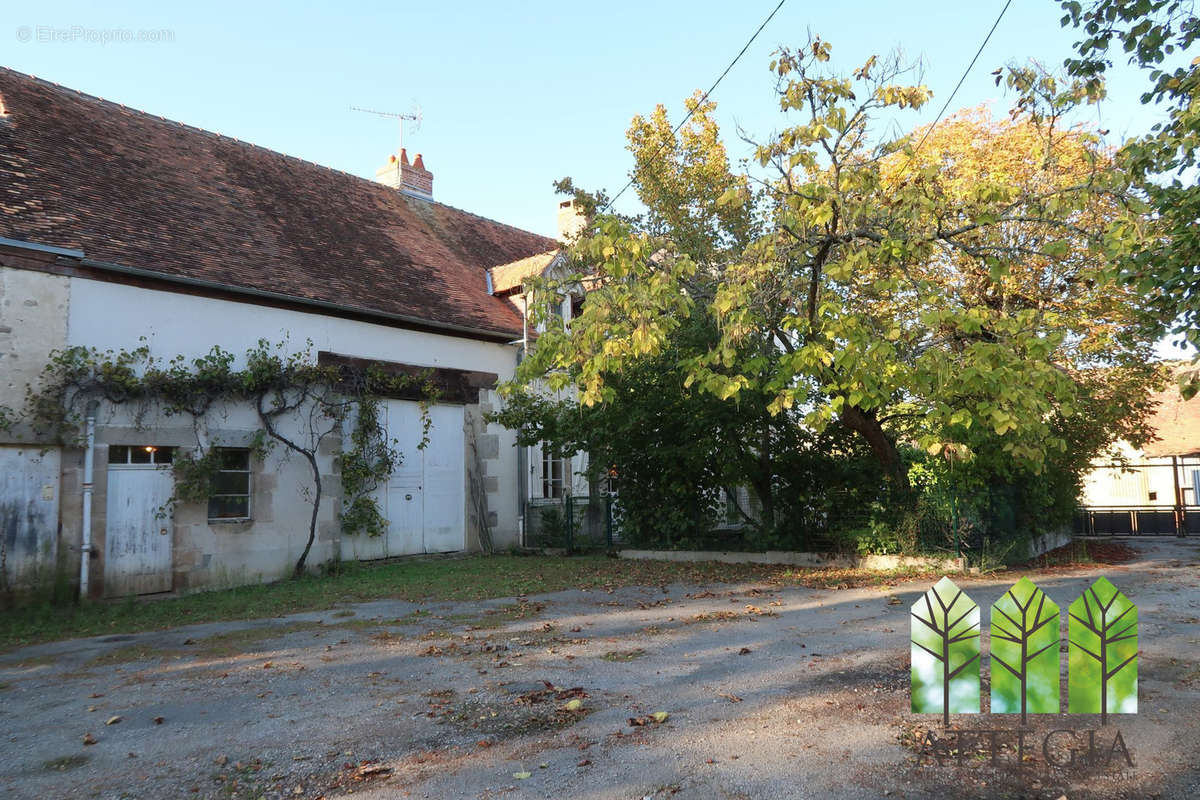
x: 232, y: 643
x: 471, y: 578
x: 64, y: 763
x: 624, y: 655
x: 129, y: 654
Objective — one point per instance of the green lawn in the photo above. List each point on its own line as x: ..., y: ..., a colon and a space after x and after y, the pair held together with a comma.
x: 469, y: 578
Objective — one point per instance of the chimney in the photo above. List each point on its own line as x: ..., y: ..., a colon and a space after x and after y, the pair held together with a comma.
x: 412, y: 178
x: 570, y: 221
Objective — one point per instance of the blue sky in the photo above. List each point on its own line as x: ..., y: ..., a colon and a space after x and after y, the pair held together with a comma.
x: 514, y: 95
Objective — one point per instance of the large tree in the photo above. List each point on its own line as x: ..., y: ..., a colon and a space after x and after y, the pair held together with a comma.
x: 909, y: 288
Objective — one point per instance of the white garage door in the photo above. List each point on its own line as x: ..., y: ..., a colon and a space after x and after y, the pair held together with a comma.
x: 425, y: 496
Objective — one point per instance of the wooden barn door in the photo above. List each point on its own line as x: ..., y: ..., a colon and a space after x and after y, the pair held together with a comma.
x: 137, y: 549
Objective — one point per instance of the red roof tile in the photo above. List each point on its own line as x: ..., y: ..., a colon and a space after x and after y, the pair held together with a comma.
x: 1176, y: 422
x: 133, y: 189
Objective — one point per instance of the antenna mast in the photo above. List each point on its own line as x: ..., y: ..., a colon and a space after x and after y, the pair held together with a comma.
x: 414, y: 117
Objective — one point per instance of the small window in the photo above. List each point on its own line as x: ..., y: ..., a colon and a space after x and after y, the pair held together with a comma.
x: 1153, y: 495
x: 231, y: 486
x: 140, y: 454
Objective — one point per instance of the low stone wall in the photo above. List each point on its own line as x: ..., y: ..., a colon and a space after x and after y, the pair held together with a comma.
x: 802, y: 559
x: 1049, y: 541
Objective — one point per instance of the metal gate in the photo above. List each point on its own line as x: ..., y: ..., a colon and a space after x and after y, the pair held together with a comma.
x: 138, y: 530
x: 1138, y: 521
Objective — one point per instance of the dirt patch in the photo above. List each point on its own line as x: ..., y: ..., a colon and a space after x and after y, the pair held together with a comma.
x: 519, y: 711
x: 64, y: 763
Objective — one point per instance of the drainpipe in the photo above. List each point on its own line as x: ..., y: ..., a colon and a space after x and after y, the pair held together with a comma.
x: 524, y: 455
x: 88, y: 459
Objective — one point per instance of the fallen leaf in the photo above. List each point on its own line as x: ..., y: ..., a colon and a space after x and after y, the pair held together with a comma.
x: 113, y: 720
x: 585, y: 762
x: 522, y: 775
x: 158, y: 720
x: 221, y: 761
x: 88, y: 739
x: 574, y: 705
x: 374, y: 769
x: 660, y: 716
x: 94, y: 695
x: 745, y: 651
x: 733, y: 698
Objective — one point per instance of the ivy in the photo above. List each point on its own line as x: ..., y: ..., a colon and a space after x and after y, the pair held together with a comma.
x: 298, y: 403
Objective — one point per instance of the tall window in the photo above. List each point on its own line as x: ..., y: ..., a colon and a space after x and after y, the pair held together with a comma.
x: 554, y: 471
x: 231, y: 487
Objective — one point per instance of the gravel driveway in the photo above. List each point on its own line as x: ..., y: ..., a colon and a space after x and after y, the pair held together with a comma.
x: 770, y: 692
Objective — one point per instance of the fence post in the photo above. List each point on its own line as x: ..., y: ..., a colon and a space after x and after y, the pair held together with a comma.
x: 570, y: 516
x: 608, y: 521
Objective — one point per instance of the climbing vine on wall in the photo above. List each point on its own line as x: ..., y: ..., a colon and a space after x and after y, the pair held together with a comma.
x: 370, y: 458
x: 298, y: 403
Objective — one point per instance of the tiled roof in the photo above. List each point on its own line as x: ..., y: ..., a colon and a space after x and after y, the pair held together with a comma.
x: 1177, y: 423
x: 137, y: 190
x: 507, y: 277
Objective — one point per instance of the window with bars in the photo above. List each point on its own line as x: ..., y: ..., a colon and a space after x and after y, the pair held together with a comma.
x: 230, y: 499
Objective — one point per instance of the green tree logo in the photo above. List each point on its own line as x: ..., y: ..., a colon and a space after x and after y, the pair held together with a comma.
x: 945, y: 652
x: 1102, y: 655
x: 1025, y: 661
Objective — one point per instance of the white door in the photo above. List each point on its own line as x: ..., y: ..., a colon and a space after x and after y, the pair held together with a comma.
x: 444, y: 482
x: 137, y: 549
x: 28, y: 512
x: 425, y: 495
x: 404, y: 501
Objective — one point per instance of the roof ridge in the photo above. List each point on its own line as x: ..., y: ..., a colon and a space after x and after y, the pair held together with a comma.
x: 159, y: 118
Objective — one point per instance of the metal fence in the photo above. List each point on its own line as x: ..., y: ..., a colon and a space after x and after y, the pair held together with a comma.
x: 573, y: 523
x: 1138, y: 521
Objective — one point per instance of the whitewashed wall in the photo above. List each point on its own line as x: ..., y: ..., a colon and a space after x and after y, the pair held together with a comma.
x: 115, y: 316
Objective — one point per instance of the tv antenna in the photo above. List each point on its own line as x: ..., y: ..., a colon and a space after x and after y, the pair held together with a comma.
x: 414, y: 116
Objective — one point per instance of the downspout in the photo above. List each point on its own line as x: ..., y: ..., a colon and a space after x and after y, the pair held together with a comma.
x: 523, y: 453
x: 89, y: 457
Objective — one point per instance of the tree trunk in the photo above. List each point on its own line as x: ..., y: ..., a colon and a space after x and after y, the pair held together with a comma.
x: 312, y: 523
x: 882, y: 445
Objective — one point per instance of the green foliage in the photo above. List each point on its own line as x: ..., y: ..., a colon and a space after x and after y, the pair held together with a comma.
x: 1161, y: 252
x: 962, y: 293
x: 365, y: 465
x: 196, y: 472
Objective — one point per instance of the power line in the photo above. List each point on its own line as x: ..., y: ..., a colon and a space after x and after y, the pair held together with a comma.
x: 716, y: 83
x: 957, y: 86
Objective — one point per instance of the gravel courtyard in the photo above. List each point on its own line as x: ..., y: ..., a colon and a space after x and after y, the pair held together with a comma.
x: 769, y: 692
